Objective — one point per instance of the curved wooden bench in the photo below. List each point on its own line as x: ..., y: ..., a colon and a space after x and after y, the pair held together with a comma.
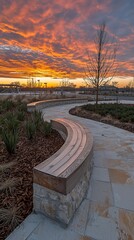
x: 52, y: 102
x: 61, y: 181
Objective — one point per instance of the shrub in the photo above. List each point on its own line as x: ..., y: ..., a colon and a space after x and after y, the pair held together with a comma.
x: 132, y: 118
x: 46, y: 128
x: 20, y: 115
x: 30, y: 129
x: 22, y: 107
x: 10, y: 122
x: 124, y: 113
x: 7, y: 105
x: 10, y: 139
x: 8, y: 131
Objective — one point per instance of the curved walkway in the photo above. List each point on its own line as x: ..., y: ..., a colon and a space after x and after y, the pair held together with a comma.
x: 107, y: 213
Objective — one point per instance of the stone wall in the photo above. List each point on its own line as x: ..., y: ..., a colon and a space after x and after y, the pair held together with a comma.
x: 58, y: 206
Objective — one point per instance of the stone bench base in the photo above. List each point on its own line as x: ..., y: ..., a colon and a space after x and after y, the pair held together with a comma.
x: 58, y: 206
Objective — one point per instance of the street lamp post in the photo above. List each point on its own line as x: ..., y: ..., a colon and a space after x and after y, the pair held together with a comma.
x: 45, y: 84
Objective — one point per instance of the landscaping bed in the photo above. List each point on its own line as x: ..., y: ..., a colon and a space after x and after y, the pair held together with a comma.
x: 16, y: 165
x: 119, y: 115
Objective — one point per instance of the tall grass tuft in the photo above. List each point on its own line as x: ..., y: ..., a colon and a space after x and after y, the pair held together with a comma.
x: 10, y: 139
x: 10, y: 122
x: 38, y: 119
x: 22, y: 107
x: 6, y: 105
x: 46, y: 128
x: 30, y: 129
x: 20, y: 115
x: 9, y: 131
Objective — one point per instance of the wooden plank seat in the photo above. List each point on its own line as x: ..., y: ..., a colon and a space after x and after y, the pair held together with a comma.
x: 61, y: 181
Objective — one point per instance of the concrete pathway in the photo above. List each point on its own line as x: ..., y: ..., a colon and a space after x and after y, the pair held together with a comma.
x: 107, y: 213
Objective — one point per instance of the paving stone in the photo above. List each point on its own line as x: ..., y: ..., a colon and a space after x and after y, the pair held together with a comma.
x: 102, y: 223
x: 100, y: 174
x: 101, y: 192
x: 111, y: 154
x: 126, y: 224
x: 24, y: 229
x: 52, y: 231
x: 99, y: 155
x: 120, y: 176
x: 123, y: 196
x: 114, y: 163
x: 79, y: 221
x: 101, y: 227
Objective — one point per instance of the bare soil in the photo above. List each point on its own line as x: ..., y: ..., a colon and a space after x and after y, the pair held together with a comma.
x: 28, y: 154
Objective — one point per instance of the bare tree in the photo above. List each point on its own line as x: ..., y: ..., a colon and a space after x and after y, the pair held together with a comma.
x: 101, y: 64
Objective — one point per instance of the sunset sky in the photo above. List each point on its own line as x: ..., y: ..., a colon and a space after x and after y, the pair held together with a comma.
x: 49, y: 38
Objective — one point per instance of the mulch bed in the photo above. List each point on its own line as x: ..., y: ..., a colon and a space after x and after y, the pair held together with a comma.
x: 28, y: 154
x: 78, y: 111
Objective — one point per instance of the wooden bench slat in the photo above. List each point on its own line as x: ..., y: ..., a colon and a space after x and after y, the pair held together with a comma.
x: 42, y: 165
x: 71, y: 150
x: 75, y: 154
x: 83, y: 155
x: 49, y: 167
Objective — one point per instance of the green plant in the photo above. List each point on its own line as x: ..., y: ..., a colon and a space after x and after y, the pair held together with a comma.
x: 7, y: 105
x: 20, y: 115
x: 123, y: 112
x: 38, y: 119
x: 30, y: 129
x: 10, y: 138
x: 22, y: 107
x: 10, y: 122
x: 46, y: 128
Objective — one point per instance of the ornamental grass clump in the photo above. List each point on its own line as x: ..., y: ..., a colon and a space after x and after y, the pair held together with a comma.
x: 37, y: 119
x: 22, y: 107
x: 30, y: 129
x: 9, y: 132
x: 10, y: 122
x: 20, y: 116
x: 6, y: 105
x: 10, y: 138
x: 46, y: 128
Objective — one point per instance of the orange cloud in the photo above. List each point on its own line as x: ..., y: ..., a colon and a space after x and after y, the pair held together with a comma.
x: 50, y: 38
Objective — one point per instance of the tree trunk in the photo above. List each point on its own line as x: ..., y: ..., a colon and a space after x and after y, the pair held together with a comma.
x: 97, y: 95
